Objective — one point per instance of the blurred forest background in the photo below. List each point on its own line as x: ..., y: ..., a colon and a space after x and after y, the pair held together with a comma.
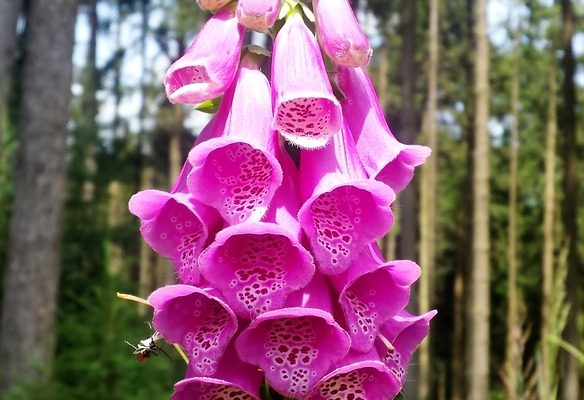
x: 494, y: 218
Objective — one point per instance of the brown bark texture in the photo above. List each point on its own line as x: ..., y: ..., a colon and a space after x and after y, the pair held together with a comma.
x: 570, y: 376
x: 478, y: 318
x: 428, y: 194
x: 34, y: 259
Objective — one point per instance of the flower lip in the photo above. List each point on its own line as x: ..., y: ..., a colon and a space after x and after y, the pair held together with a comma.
x: 368, y: 379
x: 200, y: 387
x: 196, y: 319
x: 256, y: 266
x: 295, y: 347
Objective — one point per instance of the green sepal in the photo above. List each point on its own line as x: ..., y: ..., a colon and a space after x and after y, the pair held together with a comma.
x: 209, y: 106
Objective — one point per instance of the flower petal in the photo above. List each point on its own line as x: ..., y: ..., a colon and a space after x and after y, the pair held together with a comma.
x: 258, y: 15
x: 295, y: 347
x: 306, y: 112
x: 340, y: 34
x: 383, y: 157
x: 200, y: 322
x: 204, y: 72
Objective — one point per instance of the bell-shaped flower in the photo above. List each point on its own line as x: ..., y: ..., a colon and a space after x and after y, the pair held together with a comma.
x: 236, y: 171
x: 306, y: 111
x: 401, y: 336
x: 358, y: 376
x: 208, y: 66
x: 383, y: 157
x: 212, y: 5
x: 197, y: 320
x: 340, y: 34
x: 175, y: 225
x: 234, y: 379
x: 344, y: 210
x: 295, y: 347
x: 258, y: 15
x: 257, y: 264
x: 370, y: 293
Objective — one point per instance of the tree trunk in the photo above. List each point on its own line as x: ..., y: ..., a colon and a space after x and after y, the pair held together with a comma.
x: 34, y: 259
x: 428, y: 193
x: 548, y: 362
x: 513, y: 362
x: 478, y: 321
x: 570, y: 376
x: 10, y: 10
x: 408, y: 218
x: 90, y: 105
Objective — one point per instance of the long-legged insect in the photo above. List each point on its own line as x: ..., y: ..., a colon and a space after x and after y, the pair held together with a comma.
x: 147, y: 347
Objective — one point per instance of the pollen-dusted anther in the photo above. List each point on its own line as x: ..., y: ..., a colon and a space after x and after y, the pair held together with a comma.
x: 295, y: 347
x: 196, y: 319
x: 306, y: 111
x: 205, y: 71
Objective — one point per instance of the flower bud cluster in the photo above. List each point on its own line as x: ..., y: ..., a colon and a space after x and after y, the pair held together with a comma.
x: 280, y: 277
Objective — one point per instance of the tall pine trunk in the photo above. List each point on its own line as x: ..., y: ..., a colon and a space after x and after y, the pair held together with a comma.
x: 27, y: 332
x: 512, y: 366
x: 548, y: 362
x: 428, y: 194
x: 478, y: 318
x: 570, y: 375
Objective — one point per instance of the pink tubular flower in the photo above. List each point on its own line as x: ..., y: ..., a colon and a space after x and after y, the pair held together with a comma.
x: 258, y: 15
x: 344, y: 211
x: 206, y: 70
x: 340, y: 34
x: 234, y: 379
x: 200, y: 322
x: 175, y: 225
x: 236, y: 171
x: 383, y: 157
x: 257, y: 264
x: 359, y: 376
x: 306, y: 111
x: 295, y: 347
x: 371, y: 293
x: 212, y: 5
x: 404, y: 332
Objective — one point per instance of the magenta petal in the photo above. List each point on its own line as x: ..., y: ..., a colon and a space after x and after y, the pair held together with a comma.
x: 212, y: 5
x: 345, y: 211
x: 256, y: 266
x: 340, y: 34
x: 258, y: 15
x: 365, y: 378
x: 236, y: 172
x: 317, y: 294
x: 383, y: 157
x: 306, y: 111
x: 203, y: 324
x: 371, y: 293
x: 405, y: 332
x: 233, y: 380
x: 176, y: 226
x: 203, y: 72
x: 295, y: 347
